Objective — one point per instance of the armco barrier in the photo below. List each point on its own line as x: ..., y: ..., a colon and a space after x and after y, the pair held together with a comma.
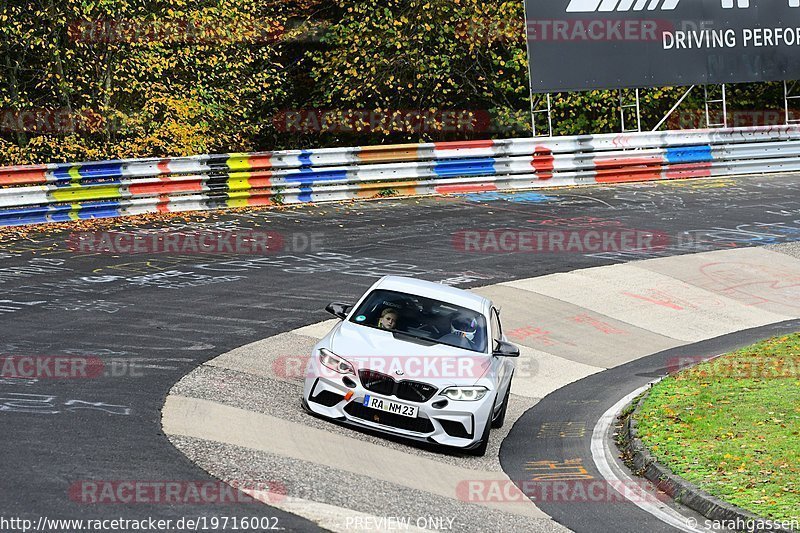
x: 71, y: 191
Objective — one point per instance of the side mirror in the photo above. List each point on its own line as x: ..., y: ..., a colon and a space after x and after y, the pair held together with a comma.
x: 338, y: 310
x: 505, y: 349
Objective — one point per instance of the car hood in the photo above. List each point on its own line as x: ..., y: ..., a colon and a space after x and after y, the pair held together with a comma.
x: 382, y: 351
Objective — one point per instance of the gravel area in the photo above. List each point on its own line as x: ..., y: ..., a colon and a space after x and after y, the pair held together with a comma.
x: 359, y: 493
x: 281, y: 399
x: 788, y: 248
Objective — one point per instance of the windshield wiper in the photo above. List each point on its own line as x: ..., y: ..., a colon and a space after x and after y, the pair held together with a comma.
x: 420, y: 340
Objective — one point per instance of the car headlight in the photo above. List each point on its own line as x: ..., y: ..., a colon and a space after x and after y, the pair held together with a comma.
x: 465, y: 394
x: 335, y: 363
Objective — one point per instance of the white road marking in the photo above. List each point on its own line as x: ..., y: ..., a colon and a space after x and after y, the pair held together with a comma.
x: 617, y: 477
x: 335, y: 518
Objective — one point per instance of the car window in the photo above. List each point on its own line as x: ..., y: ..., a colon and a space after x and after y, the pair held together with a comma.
x: 423, y: 318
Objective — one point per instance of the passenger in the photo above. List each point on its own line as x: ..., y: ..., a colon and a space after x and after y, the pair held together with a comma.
x: 388, y: 319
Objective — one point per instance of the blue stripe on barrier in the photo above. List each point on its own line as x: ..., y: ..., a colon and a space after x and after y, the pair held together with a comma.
x: 690, y: 154
x: 106, y: 212
x: 24, y: 215
x: 109, y: 173
x: 23, y: 220
x: 62, y: 172
x: 105, y: 170
x: 59, y: 213
x: 305, y: 194
x: 59, y: 217
x: 307, y: 176
x: 465, y: 167
x: 305, y: 158
x: 100, y: 204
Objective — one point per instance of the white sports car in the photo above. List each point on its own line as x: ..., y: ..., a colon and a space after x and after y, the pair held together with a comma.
x: 416, y: 359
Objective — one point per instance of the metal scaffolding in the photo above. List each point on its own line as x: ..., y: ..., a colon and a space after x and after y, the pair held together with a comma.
x: 710, y: 101
x: 542, y: 105
x: 789, y: 95
x: 632, y: 104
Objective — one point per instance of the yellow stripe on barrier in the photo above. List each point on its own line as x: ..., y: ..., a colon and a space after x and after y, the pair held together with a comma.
x: 240, y: 182
x: 239, y: 162
x: 236, y: 202
x: 78, y: 193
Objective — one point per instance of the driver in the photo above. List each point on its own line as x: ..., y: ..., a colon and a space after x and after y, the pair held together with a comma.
x: 464, y: 328
x: 388, y: 319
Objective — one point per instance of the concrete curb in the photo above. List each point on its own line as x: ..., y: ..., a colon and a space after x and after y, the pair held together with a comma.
x: 682, y: 491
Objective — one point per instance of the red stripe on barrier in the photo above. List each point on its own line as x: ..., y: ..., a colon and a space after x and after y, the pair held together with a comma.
x: 628, y: 169
x: 260, y: 161
x: 22, y: 175
x: 689, y: 170
x: 454, y: 145
x: 260, y: 180
x: 259, y: 183
x: 259, y: 200
x: 166, y: 186
x: 469, y: 187
x: 162, y: 204
x: 624, y: 175
x: 543, y: 162
x: 163, y: 166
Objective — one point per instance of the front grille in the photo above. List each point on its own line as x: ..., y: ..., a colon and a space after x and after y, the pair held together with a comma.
x: 377, y: 382
x: 418, y: 425
x: 412, y: 391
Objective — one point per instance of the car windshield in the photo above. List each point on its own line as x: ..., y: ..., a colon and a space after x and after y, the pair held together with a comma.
x: 423, y: 318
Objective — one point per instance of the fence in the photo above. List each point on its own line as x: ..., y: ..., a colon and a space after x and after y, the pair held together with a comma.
x: 72, y: 191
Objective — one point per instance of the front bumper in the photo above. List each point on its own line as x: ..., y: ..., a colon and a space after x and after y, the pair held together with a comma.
x: 458, y: 424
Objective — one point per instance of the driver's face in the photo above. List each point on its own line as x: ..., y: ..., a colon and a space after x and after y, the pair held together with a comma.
x: 388, y: 321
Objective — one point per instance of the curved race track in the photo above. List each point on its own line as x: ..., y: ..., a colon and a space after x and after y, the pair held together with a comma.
x: 168, y: 314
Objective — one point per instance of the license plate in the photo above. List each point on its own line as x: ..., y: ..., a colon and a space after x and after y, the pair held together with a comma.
x: 382, y: 404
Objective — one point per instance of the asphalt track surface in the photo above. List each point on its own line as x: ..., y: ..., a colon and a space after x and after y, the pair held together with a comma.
x: 171, y: 313
x: 585, y: 401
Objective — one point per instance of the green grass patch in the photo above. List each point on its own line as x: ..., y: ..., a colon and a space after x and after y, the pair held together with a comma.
x: 732, y: 426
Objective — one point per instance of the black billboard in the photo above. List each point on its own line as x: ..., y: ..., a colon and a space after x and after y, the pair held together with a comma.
x: 576, y: 45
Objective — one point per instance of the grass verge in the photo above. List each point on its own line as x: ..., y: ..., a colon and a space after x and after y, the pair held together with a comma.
x: 732, y: 426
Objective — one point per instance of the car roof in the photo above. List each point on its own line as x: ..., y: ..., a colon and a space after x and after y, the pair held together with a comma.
x: 433, y: 290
